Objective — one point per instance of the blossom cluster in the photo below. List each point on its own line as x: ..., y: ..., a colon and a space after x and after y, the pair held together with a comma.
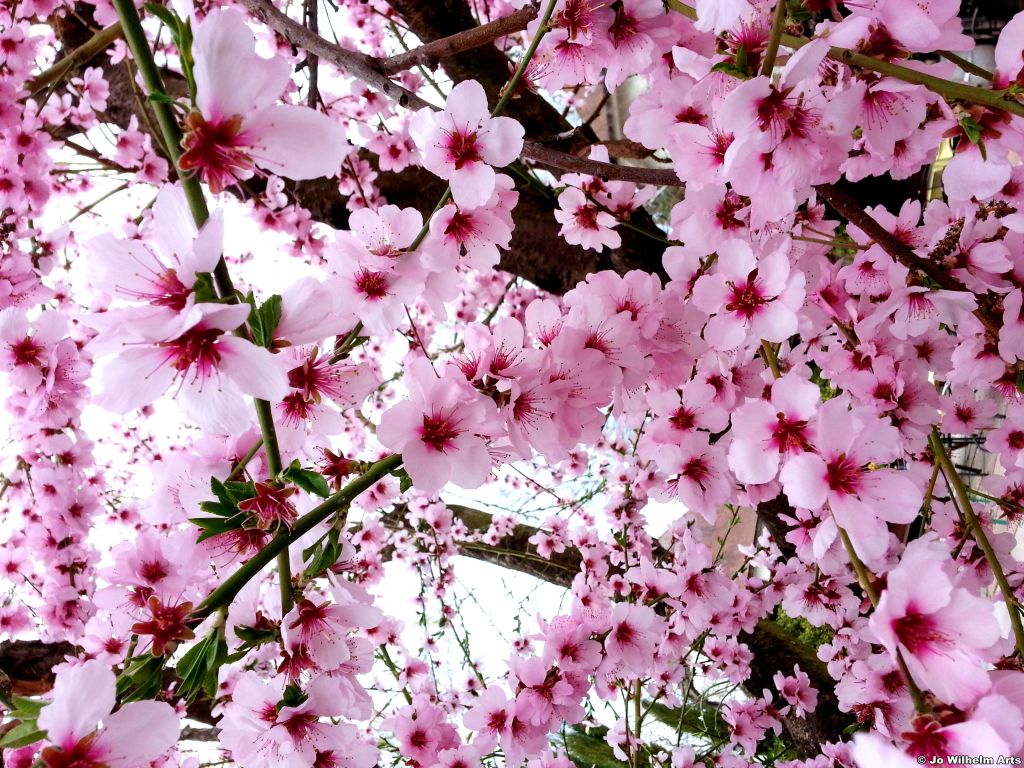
x: 778, y: 352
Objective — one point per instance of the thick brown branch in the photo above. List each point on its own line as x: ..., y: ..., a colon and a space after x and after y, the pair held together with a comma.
x: 564, y: 161
x: 430, y: 53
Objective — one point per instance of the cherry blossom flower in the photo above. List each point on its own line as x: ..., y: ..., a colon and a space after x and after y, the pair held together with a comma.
x: 750, y: 296
x: 840, y: 472
x: 439, y: 429
x: 237, y: 125
x: 583, y: 223
x: 211, y: 367
x: 765, y: 433
x: 83, y: 697
x: 942, y: 630
x: 463, y: 144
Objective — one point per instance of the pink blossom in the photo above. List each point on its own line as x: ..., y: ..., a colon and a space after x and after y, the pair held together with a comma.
x: 751, y: 297
x: 440, y: 429
x: 943, y: 631
x: 237, y: 126
x: 861, y: 497
x: 463, y: 144
x: 211, y: 367
x: 633, y: 635
x: 583, y: 223
x: 765, y: 433
x: 797, y: 691
x: 83, y: 696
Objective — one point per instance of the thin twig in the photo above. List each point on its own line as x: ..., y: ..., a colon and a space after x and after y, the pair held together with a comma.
x: 84, y: 53
x: 978, y: 531
x: 429, y: 53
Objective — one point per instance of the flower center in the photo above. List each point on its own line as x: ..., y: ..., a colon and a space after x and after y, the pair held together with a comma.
x: 26, y: 352
x: 745, y: 298
x: 463, y: 149
x: 196, y: 347
x: 374, y: 285
x: 842, y: 475
x: 218, y: 150
x: 790, y: 436
x: 917, y: 632
x: 438, y: 432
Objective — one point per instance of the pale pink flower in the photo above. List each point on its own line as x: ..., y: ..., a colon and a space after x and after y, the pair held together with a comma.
x: 156, y: 274
x: 211, y: 367
x: 583, y: 223
x: 321, y: 630
x: 83, y: 696
x: 751, y: 298
x: 463, y: 144
x: 439, y: 430
x: 944, y: 633
x: 633, y: 637
x: 238, y: 125
x: 841, y: 472
x: 797, y: 690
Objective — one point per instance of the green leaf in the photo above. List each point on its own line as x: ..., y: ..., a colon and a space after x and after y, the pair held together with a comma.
x: 587, y: 748
x: 240, y: 490
x: 404, y: 481
x: 270, y: 316
x: 221, y: 492
x: 292, y: 697
x: 324, y: 556
x: 973, y: 131
x: 26, y: 709
x: 198, y: 668
x: 23, y: 734
x: 165, y: 15
x: 216, y: 508
x: 252, y: 637
x: 307, y: 479
x: 255, y: 321
x: 204, y: 288
x: 142, y: 679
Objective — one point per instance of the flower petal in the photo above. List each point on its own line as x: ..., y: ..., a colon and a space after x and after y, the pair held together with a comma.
x: 297, y: 142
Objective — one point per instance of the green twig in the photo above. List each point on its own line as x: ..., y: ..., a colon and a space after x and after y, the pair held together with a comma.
x: 978, y: 531
x: 225, y: 593
x: 774, y: 38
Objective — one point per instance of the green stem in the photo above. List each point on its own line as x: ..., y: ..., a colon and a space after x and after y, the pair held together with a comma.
x: 225, y: 593
x: 950, y: 90
x: 978, y: 531
x: 525, y: 61
x: 774, y: 38
x: 967, y: 66
x: 135, y: 36
x: 237, y: 470
x: 770, y: 359
x: 864, y: 578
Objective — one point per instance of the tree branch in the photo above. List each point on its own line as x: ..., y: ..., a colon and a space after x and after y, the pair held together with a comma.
x: 430, y: 53
x: 564, y: 161
x: 773, y: 649
x: 359, y: 65
x: 81, y: 55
